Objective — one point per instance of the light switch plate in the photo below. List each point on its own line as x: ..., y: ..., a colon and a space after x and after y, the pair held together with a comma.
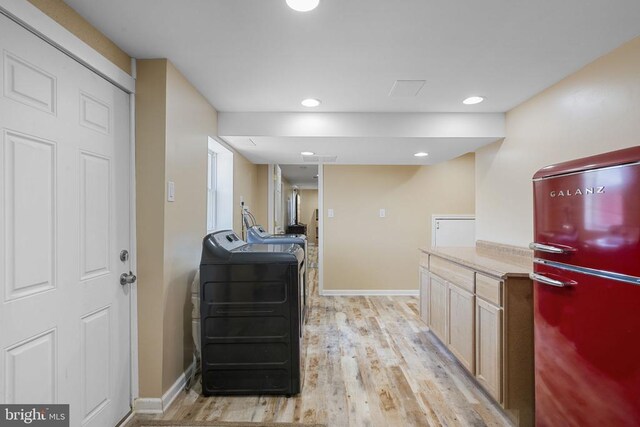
x: 383, y: 213
x: 171, y: 191
x: 330, y: 213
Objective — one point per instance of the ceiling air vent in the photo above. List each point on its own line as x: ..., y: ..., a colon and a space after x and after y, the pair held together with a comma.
x: 406, y: 88
x: 320, y: 159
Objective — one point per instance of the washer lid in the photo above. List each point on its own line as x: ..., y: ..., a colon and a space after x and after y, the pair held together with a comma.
x: 224, y: 247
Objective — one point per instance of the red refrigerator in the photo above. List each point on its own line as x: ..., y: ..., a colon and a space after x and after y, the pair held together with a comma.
x: 587, y: 291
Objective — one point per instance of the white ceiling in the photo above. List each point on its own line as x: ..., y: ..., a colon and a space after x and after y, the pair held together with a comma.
x: 261, y: 56
x: 359, y: 138
x: 302, y: 176
x: 354, y: 150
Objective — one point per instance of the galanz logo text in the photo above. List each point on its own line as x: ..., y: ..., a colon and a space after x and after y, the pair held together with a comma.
x: 577, y: 192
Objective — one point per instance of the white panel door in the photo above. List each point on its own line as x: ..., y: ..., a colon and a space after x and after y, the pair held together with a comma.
x: 64, y: 218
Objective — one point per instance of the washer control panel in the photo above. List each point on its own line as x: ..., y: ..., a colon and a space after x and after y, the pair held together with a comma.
x: 227, y: 239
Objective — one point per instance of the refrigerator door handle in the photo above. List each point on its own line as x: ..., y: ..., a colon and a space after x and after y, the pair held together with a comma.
x: 550, y: 249
x: 549, y: 281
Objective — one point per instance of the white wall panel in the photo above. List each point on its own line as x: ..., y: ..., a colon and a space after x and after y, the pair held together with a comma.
x: 29, y: 204
x: 95, y: 114
x: 95, y: 208
x: 96, y: 363
x: 29, y: 84
x: 31, y: 372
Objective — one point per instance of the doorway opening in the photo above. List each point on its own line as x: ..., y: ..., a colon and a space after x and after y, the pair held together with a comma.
x: 300, y: 185
x: 299, y: 198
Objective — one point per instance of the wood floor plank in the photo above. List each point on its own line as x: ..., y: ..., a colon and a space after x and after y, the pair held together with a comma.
x: 369, y: 361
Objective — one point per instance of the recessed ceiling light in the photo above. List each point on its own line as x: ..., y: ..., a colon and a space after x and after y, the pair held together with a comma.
x: 310, y: 102
x: 421, y: 154
x: 473, y: 100
x: 307, y: 153
x: 303, y: 5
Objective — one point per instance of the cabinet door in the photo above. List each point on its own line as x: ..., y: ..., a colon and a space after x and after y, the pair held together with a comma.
x: 438, y: 307
x: 461, y: 336
x: 489, y: 348
x: 424, y: 294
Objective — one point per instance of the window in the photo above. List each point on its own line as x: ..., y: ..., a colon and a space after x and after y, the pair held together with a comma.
x: 219, y: 187
x: 211, y: 191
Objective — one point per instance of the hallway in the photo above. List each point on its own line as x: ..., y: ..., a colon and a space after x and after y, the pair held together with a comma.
x: 369, y: 362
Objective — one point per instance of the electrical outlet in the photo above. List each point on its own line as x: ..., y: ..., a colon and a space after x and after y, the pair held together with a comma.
x: 383, y: 213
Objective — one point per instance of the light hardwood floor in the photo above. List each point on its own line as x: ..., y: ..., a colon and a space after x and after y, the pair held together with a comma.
x: 369, y: 362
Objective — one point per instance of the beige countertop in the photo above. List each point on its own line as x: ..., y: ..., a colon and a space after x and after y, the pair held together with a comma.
x: 495, y: 261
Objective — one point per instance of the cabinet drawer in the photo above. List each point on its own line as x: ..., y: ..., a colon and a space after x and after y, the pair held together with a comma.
x: 489, y: 288
x: 452, y: 273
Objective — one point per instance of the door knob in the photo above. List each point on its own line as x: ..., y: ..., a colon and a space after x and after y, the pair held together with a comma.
x: 127, y: 278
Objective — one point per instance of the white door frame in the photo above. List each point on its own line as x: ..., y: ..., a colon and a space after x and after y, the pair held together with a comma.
x: 270, y: 199
x: 133, y: 264
x: 37, y: 22
x: 320, y: 229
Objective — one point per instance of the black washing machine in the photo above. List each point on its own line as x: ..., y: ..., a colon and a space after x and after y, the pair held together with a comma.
x: 257, y: 234
x: 250, y: 313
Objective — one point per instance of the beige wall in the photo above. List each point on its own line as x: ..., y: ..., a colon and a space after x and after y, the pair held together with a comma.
x: 190, y: 121
x: 174, y: 123
x: 245, y: 184
x: 595, y: 110
x: 151, y: 100
x: 260, y: 210
x: 308, y: 206
x: 365, y: 252
x: 76, y: 24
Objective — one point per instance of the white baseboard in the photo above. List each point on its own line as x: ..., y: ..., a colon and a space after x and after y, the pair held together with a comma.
x: 148, y: 405
x: 177, y: 387
x: 126, y: 420
x: 156, y: 405
x: 370, y: 292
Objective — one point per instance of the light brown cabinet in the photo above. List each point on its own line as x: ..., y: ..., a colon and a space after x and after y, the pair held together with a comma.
x: 424, y: 288
x: 461, y: 321
x: 489, y: 348
x: 438, y: 307
x: 486, y: 322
